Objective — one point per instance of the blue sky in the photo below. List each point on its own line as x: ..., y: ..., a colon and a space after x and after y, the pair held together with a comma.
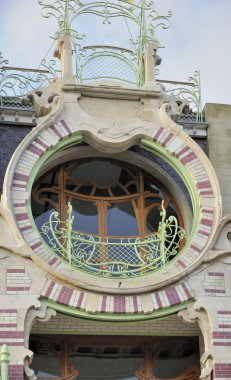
x: 198, y: 38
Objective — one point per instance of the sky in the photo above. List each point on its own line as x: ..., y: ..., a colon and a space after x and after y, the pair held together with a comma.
x: 198, y: 39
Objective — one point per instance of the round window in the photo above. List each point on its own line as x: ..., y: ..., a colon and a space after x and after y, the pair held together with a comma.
x: 107, y: 217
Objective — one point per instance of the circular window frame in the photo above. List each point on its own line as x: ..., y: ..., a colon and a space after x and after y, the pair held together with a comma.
x: 97, y: 284
x: 183, y: 156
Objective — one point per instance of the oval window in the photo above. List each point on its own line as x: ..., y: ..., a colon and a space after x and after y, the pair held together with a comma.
x: 115, y: 220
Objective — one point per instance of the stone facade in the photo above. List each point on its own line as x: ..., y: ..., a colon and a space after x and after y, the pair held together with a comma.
x: 40, y: 294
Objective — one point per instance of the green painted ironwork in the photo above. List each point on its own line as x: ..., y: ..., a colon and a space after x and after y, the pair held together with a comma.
x: 15, y: 102
x: 114, y: 317
x: 113, y: 257
x: 106, y: 62
x: 101, y: 61
x: 15, y: 81
x: 190, y: 92
x: 142, y: 21
x: 4, y: 362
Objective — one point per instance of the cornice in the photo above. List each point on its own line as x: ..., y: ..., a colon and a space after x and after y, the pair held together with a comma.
x: 18, y: 117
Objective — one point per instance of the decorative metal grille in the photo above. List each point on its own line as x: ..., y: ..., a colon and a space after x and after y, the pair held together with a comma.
x: 101, y: 62
x: 107, y: 62
x: 190, y: 92
x: 113, y: 257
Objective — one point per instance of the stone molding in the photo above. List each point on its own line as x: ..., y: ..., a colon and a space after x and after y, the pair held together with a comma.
x: 120, y: 305
x: 67, y: 123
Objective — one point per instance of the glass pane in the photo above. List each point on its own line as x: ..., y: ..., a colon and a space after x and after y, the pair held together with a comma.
x: 153, y: 218
x: 151, y: 185
x: 121, y: 220
x: 42, y: 212
x: 46, y: 366
x: 83, y: 176
x: 50, y: 179
x: 106, y: 368
x: 173, y: 367
x: 85, y: 216
x: 98, y: 171
x: 43, y: 217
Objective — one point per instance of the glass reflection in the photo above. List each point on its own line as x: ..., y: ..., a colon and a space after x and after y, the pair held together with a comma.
x: 121, y: 220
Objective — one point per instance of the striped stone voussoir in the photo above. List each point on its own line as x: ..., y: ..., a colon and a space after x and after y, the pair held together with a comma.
x: 188, y: 158
x: 117, y: 304
x: 173, y: 143
x: 42, y: 142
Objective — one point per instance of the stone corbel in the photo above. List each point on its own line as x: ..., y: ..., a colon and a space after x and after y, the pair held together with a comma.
x: 42, y: 314
x: 170, y: 108
x: 207, y: 365
x: 44, y: 101
x: 220, y: 247
x: 196, y: 314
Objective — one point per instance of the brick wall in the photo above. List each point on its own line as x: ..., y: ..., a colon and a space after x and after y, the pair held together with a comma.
x: 16, y: 372
x: 214, y: 284
x: 222, y: 371
x: 18, y: 281
x: 67, y: 324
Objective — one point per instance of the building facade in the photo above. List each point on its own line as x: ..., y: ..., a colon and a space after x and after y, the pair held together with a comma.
x: 115, y: 233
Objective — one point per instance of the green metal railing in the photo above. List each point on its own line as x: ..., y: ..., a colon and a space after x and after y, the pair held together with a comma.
x: 140, y: 17
x: 111, y: 256
x: 190, y: 92
x: 17, y: 81
x: 96, y: 62
x: 4, y: 362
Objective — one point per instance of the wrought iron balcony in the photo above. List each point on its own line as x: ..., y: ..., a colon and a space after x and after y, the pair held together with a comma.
x: 111, y: 256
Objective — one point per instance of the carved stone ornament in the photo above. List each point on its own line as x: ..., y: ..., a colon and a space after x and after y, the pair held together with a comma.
x: 42, y: 314
x: 196, y: 314
x: 43, y: 101
x: 10, y: 239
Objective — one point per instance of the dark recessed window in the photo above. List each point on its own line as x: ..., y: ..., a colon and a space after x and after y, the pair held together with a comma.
x: 116, y: 213
x: 109, y: 197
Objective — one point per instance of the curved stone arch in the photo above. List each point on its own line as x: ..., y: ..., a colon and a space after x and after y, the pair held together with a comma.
x: 166, y: 139
x: 98, y: 306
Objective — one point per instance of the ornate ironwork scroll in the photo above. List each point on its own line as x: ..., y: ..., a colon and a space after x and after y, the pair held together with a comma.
x: 16, y: 82
x: 190, y: 92
x: 140, y: 16
x: 113, y: 257
x: 99, y: 61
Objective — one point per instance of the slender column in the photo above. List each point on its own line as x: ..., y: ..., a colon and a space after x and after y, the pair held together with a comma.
x: 4, y: 362
x: 150, y: 61
x: 64, y: 53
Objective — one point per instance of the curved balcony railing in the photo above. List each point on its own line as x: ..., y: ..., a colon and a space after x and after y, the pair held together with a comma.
x: 113, y: 257
x: 106, y: 62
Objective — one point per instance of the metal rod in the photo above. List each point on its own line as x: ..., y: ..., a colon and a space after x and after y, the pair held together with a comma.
x: 23, y: 69
x: 174, y: 82
x: 107, y: 47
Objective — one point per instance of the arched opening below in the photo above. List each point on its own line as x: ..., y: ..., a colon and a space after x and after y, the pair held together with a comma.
x: 108, y: 357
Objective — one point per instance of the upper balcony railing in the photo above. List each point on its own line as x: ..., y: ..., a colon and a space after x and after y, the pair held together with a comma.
x: 95, y: 63
x: 129, y: 64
